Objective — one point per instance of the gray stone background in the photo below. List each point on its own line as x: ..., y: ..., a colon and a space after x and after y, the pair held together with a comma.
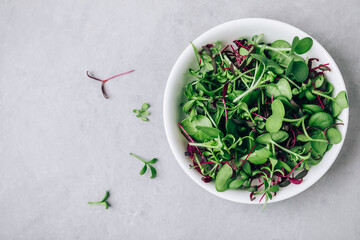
x: 62, y: 144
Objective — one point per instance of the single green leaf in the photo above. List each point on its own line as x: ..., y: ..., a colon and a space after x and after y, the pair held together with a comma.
x: 145, y: 119
x: 300, y: 71
x: 319, y: 81
x: 274, y: 188
x: 301, y: 174
x: 152, y: 161
x: 259, y: 156
x: 275, y: 55
x: 339, y: 104
x: 319, y: 147
x: 190, y: 127
x: 289, y: 67
x: 277, y: 137
x: 286, y: 102
x: 312, y: 107
x: 302, y: 138
x: 153, y: 171
x: 294, y: 43
x: 210, y: 132
x: 278, y: 108
x: 243, y: 52
x: 244, y: 175
x: 263, y: 138
x: 188, y: 105
x: 269, y: 64
x: 143, y: 170
x: 304, y: 45
x: 333, y: 135
x: 223, y: 178
x: 285, y: 183
x: 243, y: 106
x: 309, y: 95
x: 273, y: 123
x: 321, y: 120
x: 281, y: 88
x: 236, y: 183
x: 145, y: 107
x: 247, y: 168
x: 282, y: 164
x: 232, y: 128
x: 273, y: 161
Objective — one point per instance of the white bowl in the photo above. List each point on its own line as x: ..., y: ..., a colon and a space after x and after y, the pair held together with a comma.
x: 226, y: 33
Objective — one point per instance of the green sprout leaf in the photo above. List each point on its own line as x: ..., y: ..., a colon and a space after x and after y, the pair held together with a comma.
x: 269, y: 64
x: 300, y: 71
x: 103, y: 201
x: 147, y: 164
x: 223, y: 178
x: 303, y: 46
x: 278, y: 137
x: 143, y: 170
x: 243, y: 52
x: 321, y: 120
x: 281, y: 88
x: 274, y: 188
x: 142, y: 112
x: 236, y: 183
x: 191, y: 127
x: 145, y: 107
x: 333, y: 135
x: 294, y: 43
x: 312, y: 107
x: 273, y: 123
x: 259, y: 156
x: 278, y: 108
x: 153, y: 171
x: 339, y: 104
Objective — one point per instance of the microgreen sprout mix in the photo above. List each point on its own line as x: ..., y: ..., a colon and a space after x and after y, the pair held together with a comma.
x: 259, y: 114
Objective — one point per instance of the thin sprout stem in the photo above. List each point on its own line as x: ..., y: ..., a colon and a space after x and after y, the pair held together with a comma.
x: 290, y: 81
x: 242, y: 74
x: 294, y: 120
x: 304, y: 129
x: 295, y: 167
x: 275, y: 49
x: 137, y: 157
x: 207, y: 113
x: 254, y: 78
x: 262, y: 73
x: 118, y: 75
x: 323, y: 95
x: 286, y: 150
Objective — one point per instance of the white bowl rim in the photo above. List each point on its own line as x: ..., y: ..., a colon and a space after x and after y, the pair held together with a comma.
x: 178, y: 150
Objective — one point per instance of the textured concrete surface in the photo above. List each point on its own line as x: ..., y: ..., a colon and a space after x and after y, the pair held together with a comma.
x: 62, y: 144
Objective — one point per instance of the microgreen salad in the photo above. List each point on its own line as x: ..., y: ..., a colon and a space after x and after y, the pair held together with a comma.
x: 259, y: 114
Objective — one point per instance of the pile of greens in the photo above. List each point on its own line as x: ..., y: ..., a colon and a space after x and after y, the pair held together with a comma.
x: 258, y: 111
